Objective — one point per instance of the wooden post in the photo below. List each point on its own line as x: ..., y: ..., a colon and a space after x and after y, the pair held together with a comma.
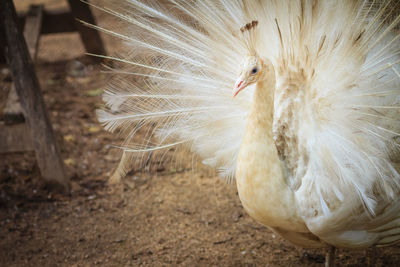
x: 28, y: 90
x: 90, y: 37
x: 33, y: 24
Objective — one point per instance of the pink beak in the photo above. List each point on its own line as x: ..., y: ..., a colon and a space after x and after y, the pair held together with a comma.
x: 239, y: 86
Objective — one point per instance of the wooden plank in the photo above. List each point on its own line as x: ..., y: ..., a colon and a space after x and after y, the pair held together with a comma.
x: 12, y: 113
x: 90, y: 37
x: 58, y: 20
x: 28, y: 90
x: 33, y: 25
x: 15, y: 138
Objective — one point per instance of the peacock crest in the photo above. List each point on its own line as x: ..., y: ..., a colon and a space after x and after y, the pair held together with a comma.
x: 249, y: 35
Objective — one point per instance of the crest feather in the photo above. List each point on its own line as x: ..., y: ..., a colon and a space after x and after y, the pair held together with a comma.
x: 249, y: 33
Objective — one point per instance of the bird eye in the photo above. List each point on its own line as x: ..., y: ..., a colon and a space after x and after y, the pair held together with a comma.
x: 254, y: 71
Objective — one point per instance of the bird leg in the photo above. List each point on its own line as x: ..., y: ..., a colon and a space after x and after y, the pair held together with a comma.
x: 370, y: 255
x: 330, y: 256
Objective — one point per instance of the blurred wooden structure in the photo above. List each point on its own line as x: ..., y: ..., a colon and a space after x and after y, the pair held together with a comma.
x: 26, y: 123
x: 63, y: 20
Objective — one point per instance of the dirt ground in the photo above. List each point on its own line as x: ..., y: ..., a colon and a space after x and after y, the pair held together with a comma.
x: 166, y: 216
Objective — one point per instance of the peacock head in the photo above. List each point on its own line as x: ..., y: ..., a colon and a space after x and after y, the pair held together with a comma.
x: 254, y: 69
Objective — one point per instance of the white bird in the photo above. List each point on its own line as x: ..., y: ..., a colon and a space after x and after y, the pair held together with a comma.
x: 311, y: 135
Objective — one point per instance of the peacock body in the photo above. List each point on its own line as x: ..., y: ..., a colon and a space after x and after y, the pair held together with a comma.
x: 313, y: 139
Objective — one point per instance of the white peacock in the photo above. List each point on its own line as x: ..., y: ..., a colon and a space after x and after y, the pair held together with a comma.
x: 311, y: 134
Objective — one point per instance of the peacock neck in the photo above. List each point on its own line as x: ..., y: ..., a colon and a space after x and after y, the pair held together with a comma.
x: 262, y: 110
x: 261, y: 185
